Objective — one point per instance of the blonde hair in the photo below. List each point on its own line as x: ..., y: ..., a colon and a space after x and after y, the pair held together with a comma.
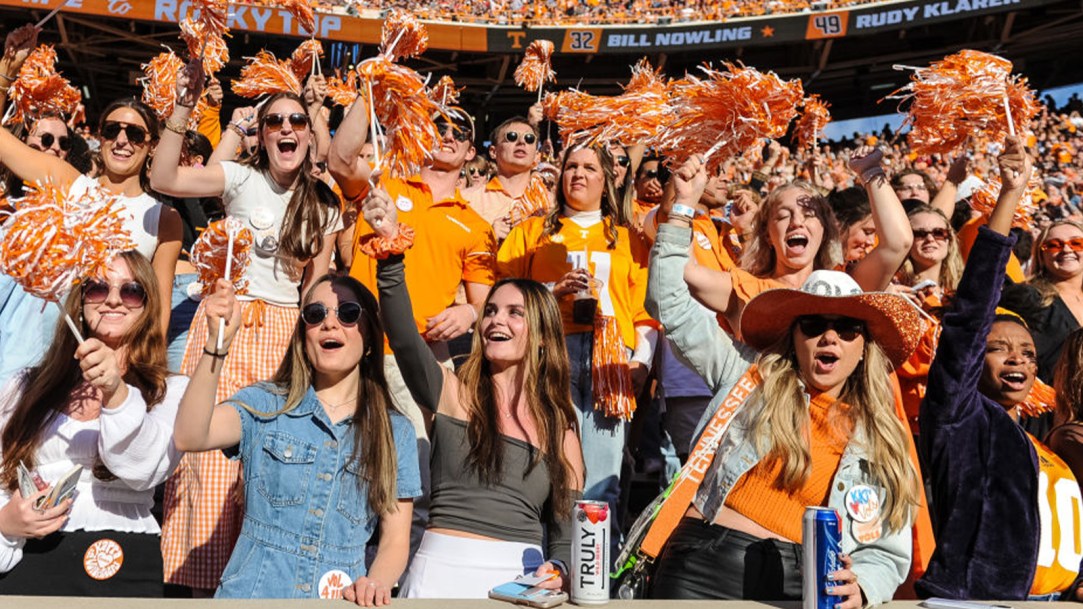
x: 759, y: 255
x: 951, y: 268
x: 781, y: 432
x: 1042, y: 280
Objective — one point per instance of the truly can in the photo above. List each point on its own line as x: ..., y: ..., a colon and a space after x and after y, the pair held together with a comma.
x: 590, y: 553
x: 821, y: 545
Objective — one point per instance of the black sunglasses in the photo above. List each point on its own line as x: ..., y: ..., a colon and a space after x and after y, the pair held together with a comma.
x: 622, y: 160
x: 940, y: 234
x: 513, y: 136
x: 847, y: 328
x: 297, y: 120
x: 348, y: 313
x: 136, y: 134
x: 458, y: 133
x: 132, y: 294
x: 47, y: 139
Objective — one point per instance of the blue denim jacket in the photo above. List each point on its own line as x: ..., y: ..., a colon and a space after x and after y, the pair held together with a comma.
x: 881, y: 565
x: 305, y: 513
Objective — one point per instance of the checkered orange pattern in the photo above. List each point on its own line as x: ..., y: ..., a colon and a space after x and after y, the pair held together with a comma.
x: 204, y: 498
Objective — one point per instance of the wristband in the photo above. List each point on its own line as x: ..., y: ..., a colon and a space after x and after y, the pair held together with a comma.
x: 215, y: 353
x: 178, y: 127
x: 872, y: 172
x: 7, y: 77
x: 683, y: 211
x: 236, y: 128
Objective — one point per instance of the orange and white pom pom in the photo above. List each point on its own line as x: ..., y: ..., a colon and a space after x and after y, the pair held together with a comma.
x: 303, y: 12
x: 727, y: 113
x: 402, y: 35
x: 54, y: 239
x: 963, y: 95
x: 536, y: 68
x: 404, y: 113
x: 984, y: 198
x: 343, y: 91
x: 213, y: 15
x: 39, y: 90
x: 810, y: 125
x: 210, y: 254
x: 304, y: 56
x: 160, y: 83
x: 1041, y: 399
x: 445, y: 93
x: 266, y: 75
x: 534, y: 202
x: 611, y: 378
x: 205, y: 42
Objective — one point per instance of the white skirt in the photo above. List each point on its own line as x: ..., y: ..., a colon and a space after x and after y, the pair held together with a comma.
x: 446, y: 566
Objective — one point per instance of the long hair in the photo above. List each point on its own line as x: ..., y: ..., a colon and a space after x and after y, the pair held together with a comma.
x: 613, y: 213
x: 150, y: 119
x: 374, y: 443
x: 781, y: 430
x: 951, y: 268
x: 759, y: 255
x: 312, y: 209
x: 48, y: 387
x: 1042, y: 279
x: 547, y: 390
x: 1068, y: 379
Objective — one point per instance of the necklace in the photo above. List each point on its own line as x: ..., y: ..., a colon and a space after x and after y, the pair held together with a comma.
x: 334, y: 407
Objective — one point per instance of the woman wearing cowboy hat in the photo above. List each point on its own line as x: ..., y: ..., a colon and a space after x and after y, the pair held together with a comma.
x: 815, y: 426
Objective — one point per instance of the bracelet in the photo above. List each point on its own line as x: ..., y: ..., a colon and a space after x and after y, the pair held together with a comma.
x: 7, y: 77
x: 4, y: 90
x: 872, y: 172
x: 236, y: 128
x: 375, y: 246
x: 215, y: 353
x: 180, y: 128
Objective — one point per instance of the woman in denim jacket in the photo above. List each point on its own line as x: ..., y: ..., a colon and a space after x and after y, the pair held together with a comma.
x: 815, y: 426
x: 325, y: 457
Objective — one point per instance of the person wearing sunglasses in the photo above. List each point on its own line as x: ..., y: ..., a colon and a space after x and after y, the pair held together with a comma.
x: 981, y: 461
x: 811, y: 423
x: 649, y: 182
x: 107, y: 405
x: 51, y: 136
x: 128, y: 130
x: 477, y: 172
x: 326, y: 457
x: 934, y: 256
x: 294, y: 219
x: 586, y: 252
x: 506, y: 463
x: 514, y: 192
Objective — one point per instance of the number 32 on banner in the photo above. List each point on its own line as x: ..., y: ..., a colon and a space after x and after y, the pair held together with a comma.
x: 581, y: 41
x: 827, y: 25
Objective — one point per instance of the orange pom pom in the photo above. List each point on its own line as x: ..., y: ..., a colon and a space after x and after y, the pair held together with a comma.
x: 963, y: 95
x: 205, y: 42
x: 727, y: 114
x: 536, y: 69
x: 304, y: 14
x: 160, y: 83
x: 534, y: 202
x: 637, y: 115
x: 402, y: 35
x: 343, y: 91
x: 984, y: 199
x: 40, y: 90
x: 213, y: 15
x: 404, y: 112
x: 1041, y: 399
x: 611, y: 378
x: 810, y: 126
x: 55, y: 238
x: 302, y: 58
x: 266, y: 75
x: 211, y: 250
x: 444, y: 93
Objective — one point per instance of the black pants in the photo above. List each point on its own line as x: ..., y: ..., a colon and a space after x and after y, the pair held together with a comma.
x: 54, y: 566
x: 707, y: 561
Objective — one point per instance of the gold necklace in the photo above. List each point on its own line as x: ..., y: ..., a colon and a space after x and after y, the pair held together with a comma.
x: 336, y: 406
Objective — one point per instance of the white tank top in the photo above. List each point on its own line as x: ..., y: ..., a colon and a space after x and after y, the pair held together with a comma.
x: 141, y: 220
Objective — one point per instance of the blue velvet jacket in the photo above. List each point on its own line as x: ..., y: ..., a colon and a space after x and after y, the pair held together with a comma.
x: 982, y: 467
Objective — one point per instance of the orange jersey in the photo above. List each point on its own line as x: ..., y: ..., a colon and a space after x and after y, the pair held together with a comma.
x: 707, y: 247
x: 494, y: 202
x: 1060, y: 508
x: 452, y: 244
x: 528, y: 253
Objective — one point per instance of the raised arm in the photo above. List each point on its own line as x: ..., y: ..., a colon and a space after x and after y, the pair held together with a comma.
x: 874, y: 272
x: 167, y: 176
x: 350, y: 171
x: 945, y: 197
x: 201, y: 423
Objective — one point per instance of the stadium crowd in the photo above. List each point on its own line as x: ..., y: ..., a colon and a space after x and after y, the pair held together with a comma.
x: 413, y: 378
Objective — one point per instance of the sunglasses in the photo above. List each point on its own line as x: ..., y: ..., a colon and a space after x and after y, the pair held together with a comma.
x: 513, y: 136
x: 939, y: 234
x: 297, y: 120
x: 650, y: 174
x: 132, y: 295
x: 63, y: 142
x: 458, y: 133
x: 474, y: 171
x: 1056, y: 246
x: 847, y: 328
x: 622, y: 160
x: 111, y: 130
x: 348, y: 313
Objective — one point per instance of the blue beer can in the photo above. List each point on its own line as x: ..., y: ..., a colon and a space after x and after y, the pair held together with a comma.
x: 821, y: 545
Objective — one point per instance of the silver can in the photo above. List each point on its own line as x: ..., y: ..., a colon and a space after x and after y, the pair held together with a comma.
x: 590, y: 553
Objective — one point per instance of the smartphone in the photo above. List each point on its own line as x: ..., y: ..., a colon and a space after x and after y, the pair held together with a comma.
x: 947, y: 603
x: 524, y: 594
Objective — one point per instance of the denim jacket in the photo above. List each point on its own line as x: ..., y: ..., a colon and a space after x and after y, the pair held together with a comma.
x: 305, y: 512
x: 881, y: 565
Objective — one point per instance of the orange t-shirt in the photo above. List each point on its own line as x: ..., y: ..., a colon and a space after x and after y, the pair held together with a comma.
x: 969, y: 233
x: 527, y: 252
x: 452, y: 244
x: 1059, y: 508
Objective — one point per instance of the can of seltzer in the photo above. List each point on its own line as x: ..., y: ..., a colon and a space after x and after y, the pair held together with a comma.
x: 590, y: 553
x: 821, y: 545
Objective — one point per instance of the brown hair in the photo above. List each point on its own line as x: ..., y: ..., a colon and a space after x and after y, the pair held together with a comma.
x: 759, y: 256
x: 47, y: 388
x: 547, y: 391
x: 1068, y: 379
x: 150, y: 119
x: 312, y: 209
x: 613, y: 213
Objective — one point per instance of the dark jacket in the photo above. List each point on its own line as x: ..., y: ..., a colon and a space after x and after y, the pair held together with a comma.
x: 982, y: 466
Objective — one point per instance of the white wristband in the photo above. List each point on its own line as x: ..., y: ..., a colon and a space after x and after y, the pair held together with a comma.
x: 683, y: 211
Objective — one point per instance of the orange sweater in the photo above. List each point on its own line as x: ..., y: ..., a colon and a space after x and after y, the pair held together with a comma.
x: 757, y: 494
